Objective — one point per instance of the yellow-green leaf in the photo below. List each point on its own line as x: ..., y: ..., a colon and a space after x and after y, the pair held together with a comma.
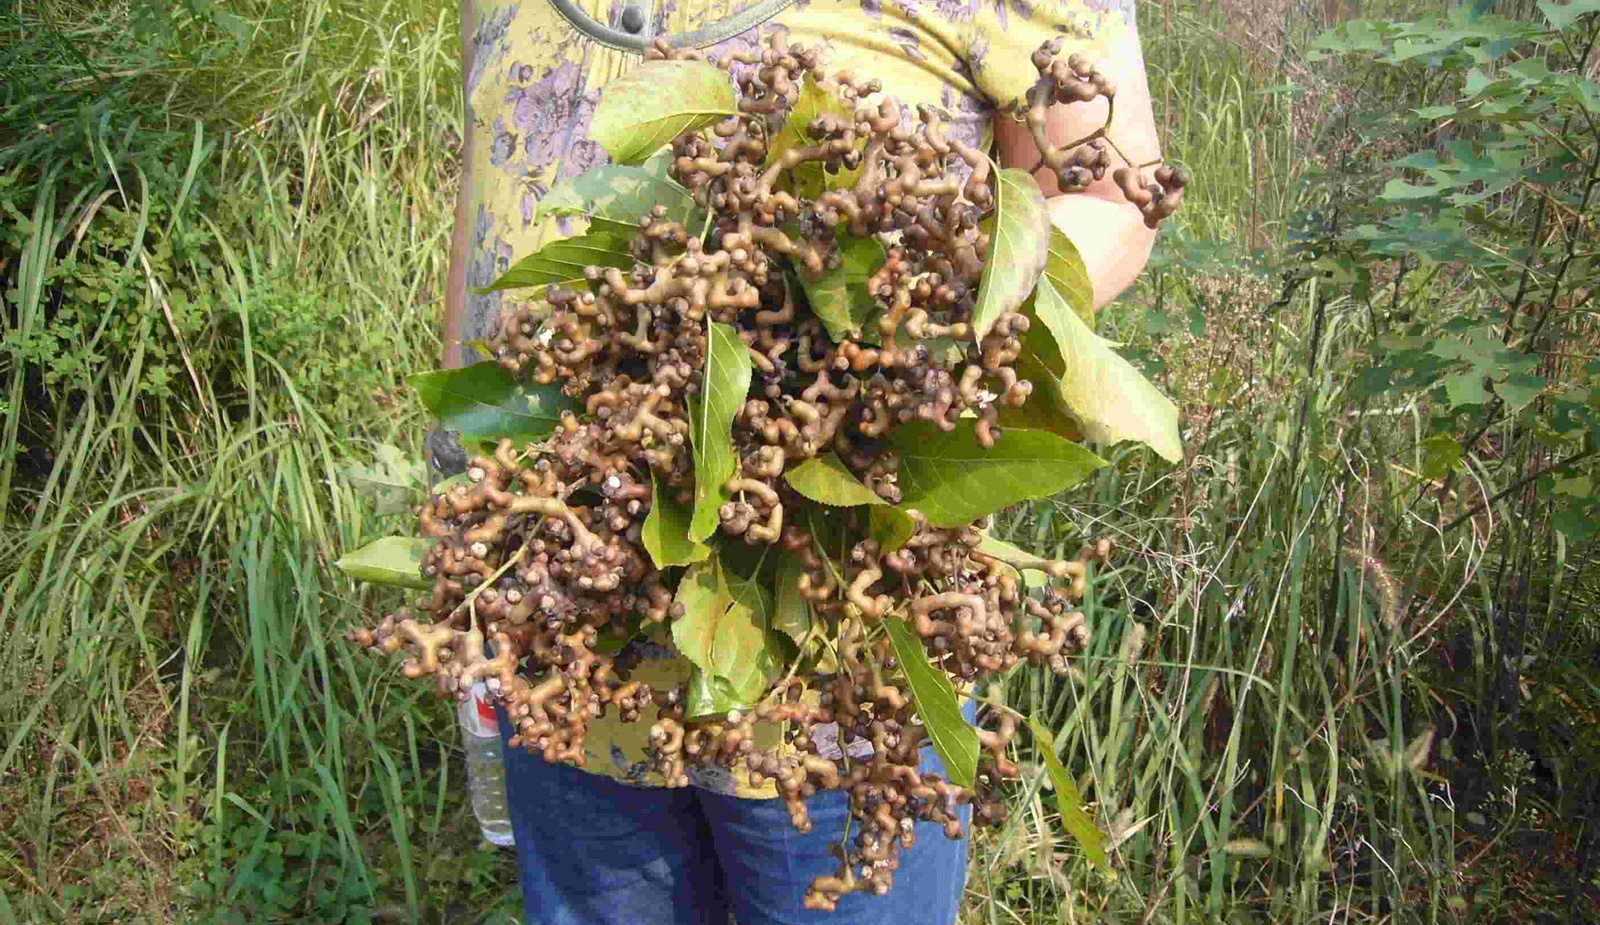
x: 935, y: 699
x: 1065, y: 270
x: 723, y: 388
x: 1019, y: 246
x: 890, y: 526
x: 710, y: 696
x: 827, y: 480
x: 953, y: 480
x: 1069, y: 802
x: 619, y: 196
x: 562, y: 261
x: 655, y: 103
x: 1030, y: 568
x: 393, y: 560
x: 723, y: 629
x: 1109, y: 399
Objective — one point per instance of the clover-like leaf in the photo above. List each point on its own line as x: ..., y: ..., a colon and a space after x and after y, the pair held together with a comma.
x: 1100, y: 389
x: 839, y: 296
x: 723, y: 629
x: 392, y: 560
x: 484, y: 404
x: 722, y: 392
x: 953, y: 738
x: 393, y: 481
x: 655, y: 103
x: 953, y: 480
x: 562, y: 261
x: 1069, y: 801
x: 665, y: 533
x: 1019, y: 246
x: 616, y: 196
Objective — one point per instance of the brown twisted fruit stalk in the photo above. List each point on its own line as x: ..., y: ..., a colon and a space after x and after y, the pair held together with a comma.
x: 540, y: 550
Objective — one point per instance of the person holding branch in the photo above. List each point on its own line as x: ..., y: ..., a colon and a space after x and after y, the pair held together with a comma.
x: 609, y: 843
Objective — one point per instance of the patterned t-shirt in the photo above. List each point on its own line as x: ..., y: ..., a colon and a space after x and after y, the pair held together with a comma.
x: 535, y: 79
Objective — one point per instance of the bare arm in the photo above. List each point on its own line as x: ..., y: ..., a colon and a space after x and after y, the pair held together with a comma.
x: 1108, y: 230
x: 455, y: 296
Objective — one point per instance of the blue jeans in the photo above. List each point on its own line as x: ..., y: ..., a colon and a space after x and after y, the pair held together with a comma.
x: 594, y: 851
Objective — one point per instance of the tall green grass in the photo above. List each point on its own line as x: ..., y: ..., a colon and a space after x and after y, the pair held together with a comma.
x: 1251, y: 721
x: 186, y: 735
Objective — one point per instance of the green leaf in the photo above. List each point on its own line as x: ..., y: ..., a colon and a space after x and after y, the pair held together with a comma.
x: 1465, y: 389
x: 827, y: 480
x: 1065, y: 270
x: 393, y: 560
x: 1400, y: 191
x: 1579, y: 486
x: 619, y: 196
x: 890, y: 526
x: 1045, y: 409
x: 1069, y: 801
x: 394, y: 481
x: 810, y: 180
x: 1019, y: 246
x: 1519, y: 389
x: 608, y: 641
x: 954, y: 481
x: 655, y: 103
x: 839, y: 296
x: 710, y: 696
x: 483, y: 403
x: 1440, y: 454
x: 666, y: 530
x: 722, y: 393
x: 1562, y: 15
x: 792, y: 610
x: 1030, y: 567
x: 562, y: 262
x: 1109, y: 399
x: 954, y: 740
x: 723, y: 629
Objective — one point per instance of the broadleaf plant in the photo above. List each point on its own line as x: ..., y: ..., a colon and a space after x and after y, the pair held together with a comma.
x: 485, y: 404
x: 762, y: 410
x: 657, y: 102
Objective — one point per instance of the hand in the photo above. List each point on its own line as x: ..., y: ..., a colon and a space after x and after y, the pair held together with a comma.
x: 1108, y: 231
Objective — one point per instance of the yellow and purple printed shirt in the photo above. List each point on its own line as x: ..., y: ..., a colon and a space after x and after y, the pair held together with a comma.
x: 539, y: 67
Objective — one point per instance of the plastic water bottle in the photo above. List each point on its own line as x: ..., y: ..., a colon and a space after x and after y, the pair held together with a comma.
x: 486, y: 775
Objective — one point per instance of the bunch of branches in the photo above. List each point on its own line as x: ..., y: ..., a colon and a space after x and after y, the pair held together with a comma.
x: 544, y: 550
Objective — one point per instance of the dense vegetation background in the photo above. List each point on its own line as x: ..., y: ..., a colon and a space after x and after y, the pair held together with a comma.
x: 1344, y: 664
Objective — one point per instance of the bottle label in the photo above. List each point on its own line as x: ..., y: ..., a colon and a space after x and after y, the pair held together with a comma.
x: 479, y: 716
